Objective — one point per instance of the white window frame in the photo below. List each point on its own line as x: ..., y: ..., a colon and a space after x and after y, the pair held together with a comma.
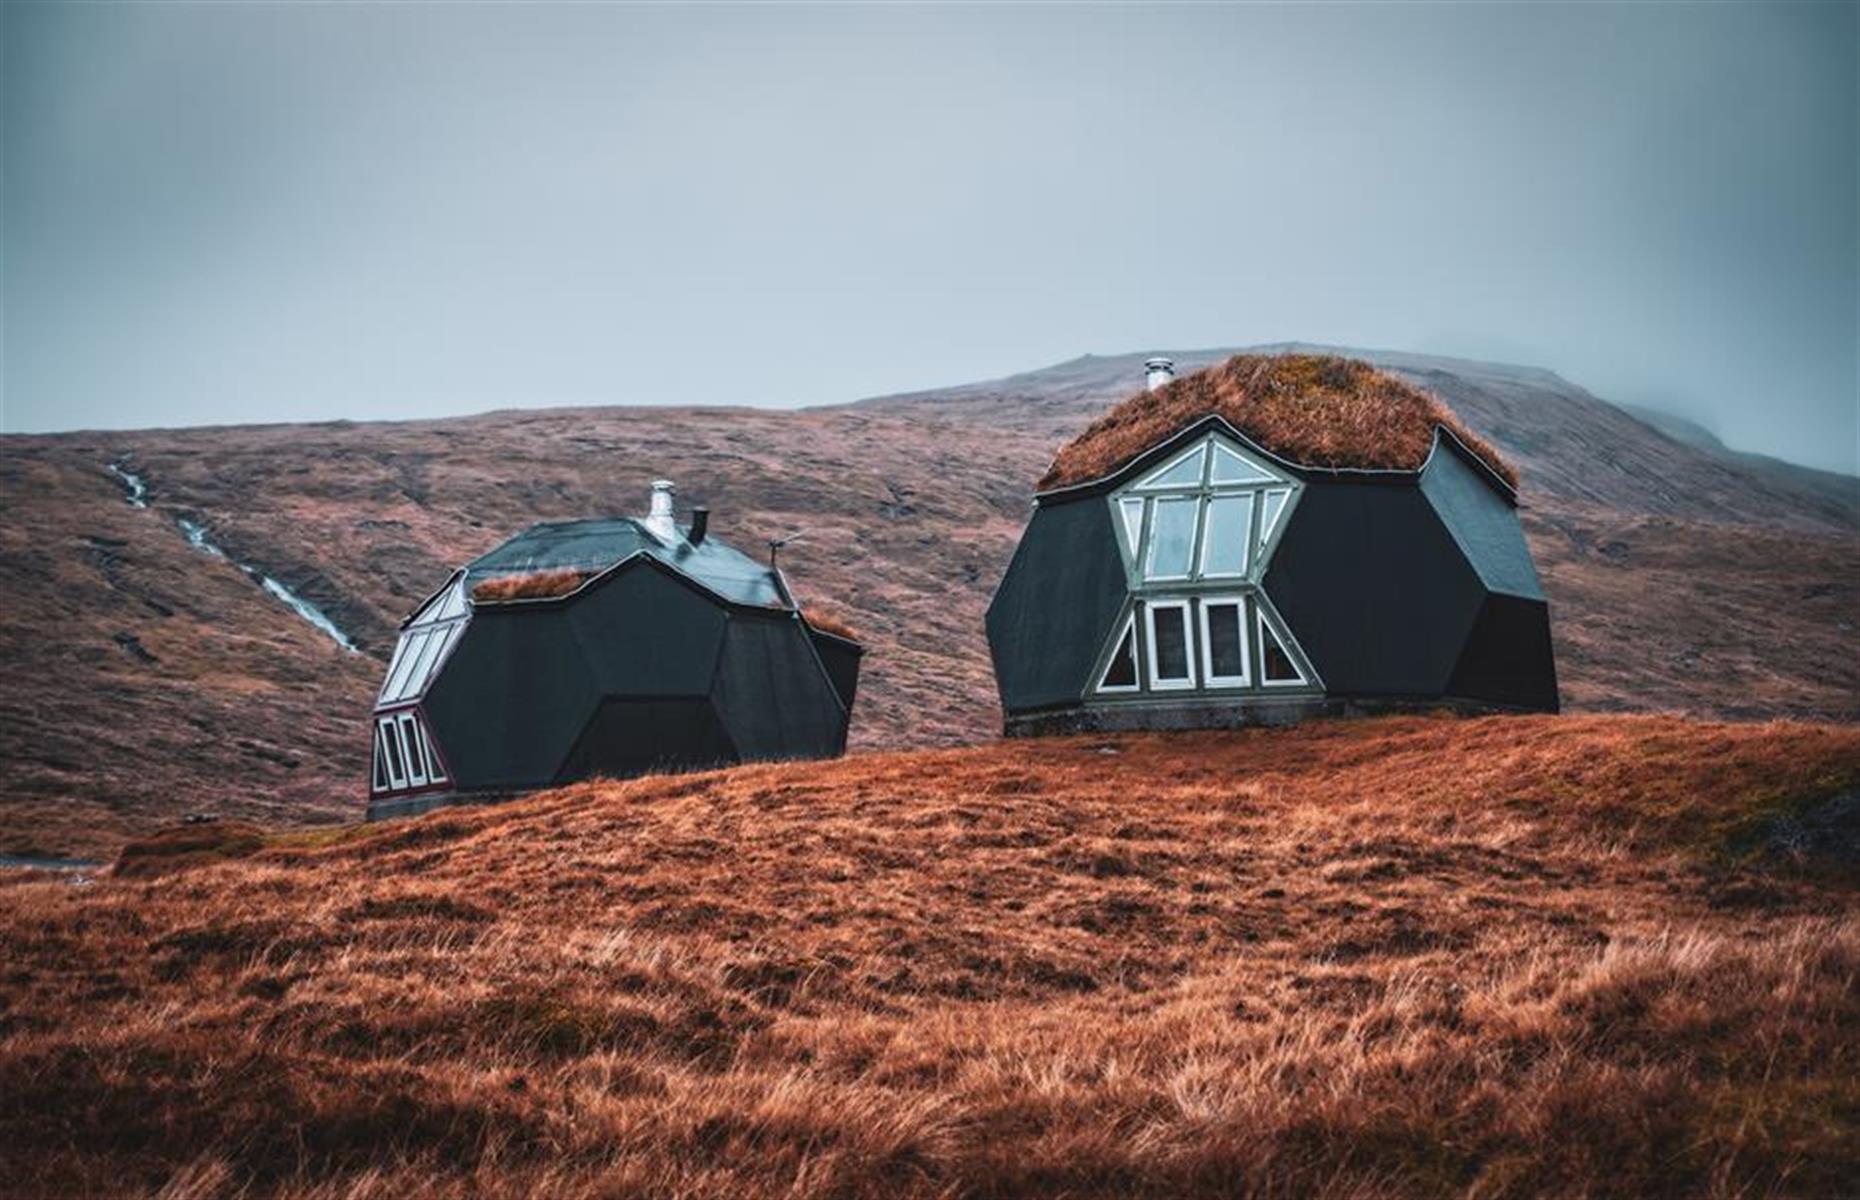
x: 1205, y: 531
x: 1157, y: 682
x: 385, y: 727
x: 1129, y: 630
x: 378, y: 775
x: 435, y: 770
x: 1132, y: 537
x: 1278, y: 517
x: 1209, y: 678
x: 1197, y: 509
x: 1266, y: 630
x: 407, y: 729
x: 1150, y: 482
x: 1258, y: 476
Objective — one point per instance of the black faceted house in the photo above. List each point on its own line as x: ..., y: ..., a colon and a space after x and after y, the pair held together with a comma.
x: 1270, y: 539
x: 611, y: 647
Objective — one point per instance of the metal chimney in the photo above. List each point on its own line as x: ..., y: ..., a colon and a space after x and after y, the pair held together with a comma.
x: 1160, y: 371
x: 700, y: 526
x: 659, y: 521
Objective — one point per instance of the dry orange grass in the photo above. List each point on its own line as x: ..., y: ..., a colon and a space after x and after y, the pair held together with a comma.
x: 536, y: 585
x: 829, y: 623
x: 1315, y: 410
x: 1411, y: 957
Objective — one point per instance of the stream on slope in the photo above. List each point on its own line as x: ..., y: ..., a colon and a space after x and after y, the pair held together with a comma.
x: 198, y: 537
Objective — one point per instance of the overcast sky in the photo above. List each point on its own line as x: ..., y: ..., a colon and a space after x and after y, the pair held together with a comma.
x: 227, y: 212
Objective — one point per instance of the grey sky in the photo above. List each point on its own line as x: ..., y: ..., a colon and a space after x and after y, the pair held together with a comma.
x: 294, y: 211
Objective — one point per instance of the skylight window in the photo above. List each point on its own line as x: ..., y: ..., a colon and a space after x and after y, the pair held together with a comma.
x: 424, y: 644
x: 1183, y: 472
x: 1231, y: 468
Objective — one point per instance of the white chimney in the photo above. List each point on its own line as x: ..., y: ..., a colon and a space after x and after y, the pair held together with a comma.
x: 659, y: 521
x: 1160, y: 371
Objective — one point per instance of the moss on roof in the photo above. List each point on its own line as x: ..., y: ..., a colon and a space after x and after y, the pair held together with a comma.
x: 535, y: 585
x: 1313, y: 410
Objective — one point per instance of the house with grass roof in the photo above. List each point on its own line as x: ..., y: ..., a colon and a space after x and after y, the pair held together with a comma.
x: 606, y: 647
x: 1272, y: 538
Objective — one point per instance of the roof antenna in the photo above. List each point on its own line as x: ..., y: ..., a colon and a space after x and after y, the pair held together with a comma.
x: 775, y: 545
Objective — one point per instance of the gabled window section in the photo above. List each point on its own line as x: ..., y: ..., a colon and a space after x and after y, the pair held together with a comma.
x: 1209, y: 513
x: 424, y: 644
x: 405, y: 756
x: 1197, y: 534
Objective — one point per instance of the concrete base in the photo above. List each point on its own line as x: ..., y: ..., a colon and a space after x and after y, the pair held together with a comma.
x: 413, y: 806
x: 1202, y: 713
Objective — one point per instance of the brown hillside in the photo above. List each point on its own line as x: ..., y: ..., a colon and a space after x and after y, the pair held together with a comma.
x: 1402, y: 958
x: 1310, y: 409
x: 141, y: 679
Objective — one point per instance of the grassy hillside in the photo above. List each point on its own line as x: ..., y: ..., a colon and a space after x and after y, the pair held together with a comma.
x: 1407, y: 958
x: 141, y: 679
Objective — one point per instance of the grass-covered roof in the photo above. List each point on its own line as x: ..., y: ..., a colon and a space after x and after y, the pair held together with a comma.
x: 1313, y: 410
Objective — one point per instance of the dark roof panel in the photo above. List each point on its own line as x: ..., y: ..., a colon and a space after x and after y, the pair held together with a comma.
x: 1483, y: 524
x: 596, y: 545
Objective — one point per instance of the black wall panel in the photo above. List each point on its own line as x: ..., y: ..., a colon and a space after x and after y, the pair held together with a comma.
x: 1374, y: 588
x: 1055, y: 605
x: 1508, y: 658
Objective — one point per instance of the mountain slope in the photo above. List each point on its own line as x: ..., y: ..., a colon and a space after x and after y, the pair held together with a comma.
x: 141, y: 678
x: 1402, y: 958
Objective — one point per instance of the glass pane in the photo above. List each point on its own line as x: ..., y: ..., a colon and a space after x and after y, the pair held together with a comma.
x: 1231, y: 468
x: 1269, y: 515
x: 394, y: 665
x: 1133, y: 522
x: 422, y: 672
x: 410, y: 746
x: 397, y: 771
x: 1172, y: 537
x: 1229, y: 521
x: 411, y: 644
x: 380, y: 780
x: 452, y: 604
x: 1170, y: 626
x: 1184, y: 472
x: 1226, y: 641
x: 434, y: 771
x: 1278, y: 664
x: 1122, y: 672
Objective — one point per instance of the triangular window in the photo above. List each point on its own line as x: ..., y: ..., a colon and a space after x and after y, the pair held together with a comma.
x: 1120, y: 674
x: 381, y: 775
x: 1131, y: 507
x: 1184, y: 472
x: 1276, y: 666
x: 1269, y: 514
x: 1232, y: 468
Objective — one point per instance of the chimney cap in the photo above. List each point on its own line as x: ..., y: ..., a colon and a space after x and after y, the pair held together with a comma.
x: 659, y: 521
x: 1159, y: 363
